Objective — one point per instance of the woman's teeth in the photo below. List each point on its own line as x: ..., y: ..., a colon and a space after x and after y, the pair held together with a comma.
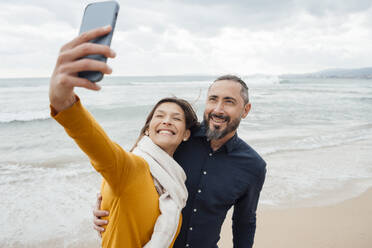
x: 165, y: 132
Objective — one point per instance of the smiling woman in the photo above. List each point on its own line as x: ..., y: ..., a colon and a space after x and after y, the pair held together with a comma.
x: 167, y: 127
x: 130, y: 211
x: 151, y: 218
x: 157, y: 126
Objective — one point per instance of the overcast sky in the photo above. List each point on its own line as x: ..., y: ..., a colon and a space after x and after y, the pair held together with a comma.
x: 178, y: 37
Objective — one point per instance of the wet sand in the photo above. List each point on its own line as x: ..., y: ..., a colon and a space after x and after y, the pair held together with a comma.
x: 342, y: 225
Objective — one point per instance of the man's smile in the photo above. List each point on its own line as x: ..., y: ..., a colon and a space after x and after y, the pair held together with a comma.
x: 219, y: 119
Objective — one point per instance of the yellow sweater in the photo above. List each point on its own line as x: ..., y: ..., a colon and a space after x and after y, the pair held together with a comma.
x: 127, y: 189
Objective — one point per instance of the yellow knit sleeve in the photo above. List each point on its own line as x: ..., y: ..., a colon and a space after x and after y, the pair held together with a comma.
x: 107, y: 157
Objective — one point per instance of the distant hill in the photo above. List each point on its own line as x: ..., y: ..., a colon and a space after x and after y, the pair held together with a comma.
x: 334, y: 73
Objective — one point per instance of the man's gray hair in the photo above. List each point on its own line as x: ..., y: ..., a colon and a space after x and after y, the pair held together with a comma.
x: 244, y: 89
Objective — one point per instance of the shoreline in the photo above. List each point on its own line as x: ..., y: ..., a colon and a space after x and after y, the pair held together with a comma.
x: 318, y: 177
x: 338, y: 214
x: 342, y: 225
x: 351, y: 189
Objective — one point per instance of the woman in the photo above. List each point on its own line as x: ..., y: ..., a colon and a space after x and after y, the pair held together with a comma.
x: 143, y: 190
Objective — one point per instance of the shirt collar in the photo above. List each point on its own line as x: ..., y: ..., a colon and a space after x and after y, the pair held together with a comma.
x: 229, y: 145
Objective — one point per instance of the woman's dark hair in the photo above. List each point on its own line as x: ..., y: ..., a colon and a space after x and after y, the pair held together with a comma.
x: 191, y: 118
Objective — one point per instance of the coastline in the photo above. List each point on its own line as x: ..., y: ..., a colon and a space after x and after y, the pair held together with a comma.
x: 339, y: 216
x: 342, y: 225
x: 317, y: 177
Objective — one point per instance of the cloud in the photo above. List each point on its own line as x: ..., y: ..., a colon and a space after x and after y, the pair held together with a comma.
x: 330, y: 7
x: 189, y: 36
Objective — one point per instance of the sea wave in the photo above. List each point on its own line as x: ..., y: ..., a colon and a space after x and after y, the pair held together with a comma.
x: 24, y: 116
x: 261, y: 80
x: 41, y: 197
x: 316, y: 141
x: 69, y: 167
x: 24, y: 89
x: 106, y: 110
x: 169, y: 84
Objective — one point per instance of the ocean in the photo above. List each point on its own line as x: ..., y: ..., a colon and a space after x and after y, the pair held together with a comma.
x: 309, y: 130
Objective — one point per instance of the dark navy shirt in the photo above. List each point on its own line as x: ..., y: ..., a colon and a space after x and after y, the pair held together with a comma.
x: 231, y: 176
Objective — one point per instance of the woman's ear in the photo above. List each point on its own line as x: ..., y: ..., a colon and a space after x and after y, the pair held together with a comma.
x: 147, y: 132
x: 187, y: 135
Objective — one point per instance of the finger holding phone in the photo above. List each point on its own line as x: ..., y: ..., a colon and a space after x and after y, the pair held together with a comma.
x: 82, y: 61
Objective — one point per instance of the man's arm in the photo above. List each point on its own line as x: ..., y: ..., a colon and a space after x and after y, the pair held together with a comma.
x: 97, y: 214
x: 244, y: 217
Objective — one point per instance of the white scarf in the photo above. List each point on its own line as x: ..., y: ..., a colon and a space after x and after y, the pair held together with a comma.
x: 169, y: 180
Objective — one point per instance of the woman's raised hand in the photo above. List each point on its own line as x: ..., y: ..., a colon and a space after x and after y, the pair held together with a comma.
x: 69, y: 63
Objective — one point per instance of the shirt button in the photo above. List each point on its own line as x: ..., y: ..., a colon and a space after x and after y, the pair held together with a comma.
x: 199, y: 190
x: 190, y: 228
x: 187, y: 245
x: 204, y: 172
x: 195, y: 210
x: 210, y: 154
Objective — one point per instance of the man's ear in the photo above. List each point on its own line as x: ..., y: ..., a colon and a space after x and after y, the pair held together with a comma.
x: 187, y: 135
x: 246, y: 110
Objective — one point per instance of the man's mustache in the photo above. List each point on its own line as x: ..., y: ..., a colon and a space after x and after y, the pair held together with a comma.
x: 224, y: 117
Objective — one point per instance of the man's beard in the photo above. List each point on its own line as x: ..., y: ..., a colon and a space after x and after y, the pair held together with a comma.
x: 216, y: 133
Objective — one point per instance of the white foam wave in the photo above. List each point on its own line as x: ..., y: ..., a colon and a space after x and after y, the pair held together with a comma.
x: 172, y: 84
x: 311, y: 141
x: 24, y: 116
x: 36, y: 200
x: 22, y: 89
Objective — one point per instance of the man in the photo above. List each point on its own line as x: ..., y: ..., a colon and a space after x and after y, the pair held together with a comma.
x: 222, y: 171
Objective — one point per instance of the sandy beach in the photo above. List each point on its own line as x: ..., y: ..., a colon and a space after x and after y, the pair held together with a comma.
x: 343, y: 225
x: 338, y: 218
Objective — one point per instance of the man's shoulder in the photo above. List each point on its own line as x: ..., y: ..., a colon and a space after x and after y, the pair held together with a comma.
x: 249, y: 155
x: 241, y: 146
x: 194, y: 146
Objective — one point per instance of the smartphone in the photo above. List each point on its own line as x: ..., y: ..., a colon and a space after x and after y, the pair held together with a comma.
x: 98, y: 14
